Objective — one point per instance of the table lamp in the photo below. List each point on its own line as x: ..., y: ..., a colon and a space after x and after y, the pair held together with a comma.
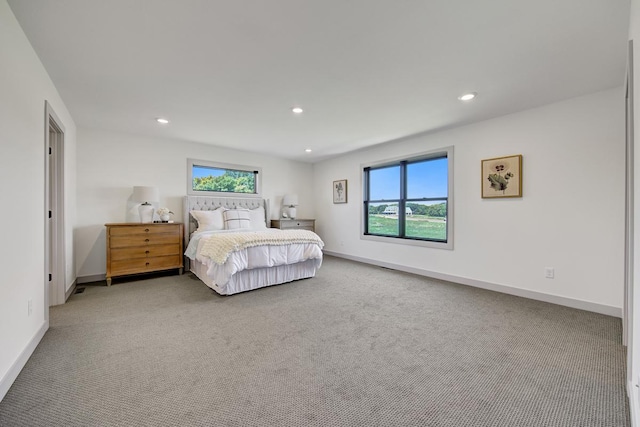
x: 145, y: 195
x: 290, y: 201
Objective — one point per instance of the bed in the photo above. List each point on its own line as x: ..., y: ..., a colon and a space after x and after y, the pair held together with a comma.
x: 231, y: 257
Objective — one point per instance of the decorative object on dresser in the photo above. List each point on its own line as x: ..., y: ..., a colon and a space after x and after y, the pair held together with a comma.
x: 289, y: 202
x: 294, y: 224
x: 145, y: 195
x: 164, y: 214
x: 133, y: 248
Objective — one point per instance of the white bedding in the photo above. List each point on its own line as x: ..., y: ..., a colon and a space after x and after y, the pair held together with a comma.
x: 251, y: 258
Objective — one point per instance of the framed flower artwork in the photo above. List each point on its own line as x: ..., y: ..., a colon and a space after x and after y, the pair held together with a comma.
x: 502, y: 177
x: 340, y: 191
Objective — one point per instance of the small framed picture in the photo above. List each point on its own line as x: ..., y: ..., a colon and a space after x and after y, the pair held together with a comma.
x: 502, y: 177
x: 340, y: 191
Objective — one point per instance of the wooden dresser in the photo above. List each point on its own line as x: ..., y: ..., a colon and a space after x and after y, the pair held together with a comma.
x: 134, y: 248
x: 297, y: 224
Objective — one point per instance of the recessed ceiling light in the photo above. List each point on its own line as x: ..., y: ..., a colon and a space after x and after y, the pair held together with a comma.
x: 297, y: 110
x: 161, y: 120
x: 308, y: 150
x: 467, y: 96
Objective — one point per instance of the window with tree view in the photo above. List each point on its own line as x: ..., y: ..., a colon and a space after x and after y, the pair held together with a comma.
x: 209, y: 177
x: 408, y: 199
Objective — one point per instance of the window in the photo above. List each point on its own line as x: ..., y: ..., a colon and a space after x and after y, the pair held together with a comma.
x: 409, y: 200
x: 220, y: 179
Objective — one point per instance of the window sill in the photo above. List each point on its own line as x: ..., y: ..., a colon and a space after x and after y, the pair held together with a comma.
x: 409, y: 242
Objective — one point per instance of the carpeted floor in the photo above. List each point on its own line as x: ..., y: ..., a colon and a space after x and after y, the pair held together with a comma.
x: 355, y: 346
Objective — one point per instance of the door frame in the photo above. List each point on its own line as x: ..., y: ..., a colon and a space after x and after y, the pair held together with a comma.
x: 627, y: 318
x: 55, y: 256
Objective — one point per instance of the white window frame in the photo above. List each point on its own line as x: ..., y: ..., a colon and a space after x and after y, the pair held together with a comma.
x: 209, y: 164
x: 446, y: 151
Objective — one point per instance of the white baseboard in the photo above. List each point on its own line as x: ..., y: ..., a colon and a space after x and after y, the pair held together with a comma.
x: 11, y: 375
x: 634, y: 408
x: 71, y: 290
x: 90, y: 279
x: 525, y: 293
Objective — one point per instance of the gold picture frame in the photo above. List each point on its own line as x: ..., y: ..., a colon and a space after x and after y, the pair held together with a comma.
x: 340, y: 191
x: 501, y: 177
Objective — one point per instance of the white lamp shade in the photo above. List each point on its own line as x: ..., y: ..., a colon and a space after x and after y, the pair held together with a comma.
x: 145, y: 194
x: 290, y: 200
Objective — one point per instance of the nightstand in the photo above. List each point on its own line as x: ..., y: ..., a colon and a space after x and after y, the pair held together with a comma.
x: 294, y: 224
x: 134, y: 248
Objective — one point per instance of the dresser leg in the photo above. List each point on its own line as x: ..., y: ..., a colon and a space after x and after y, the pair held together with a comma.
x: 180, y: 270
x: 108, y: 281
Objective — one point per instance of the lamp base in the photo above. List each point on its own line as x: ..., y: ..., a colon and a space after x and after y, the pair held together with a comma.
x: 292, y: 212
x: 146, y: 213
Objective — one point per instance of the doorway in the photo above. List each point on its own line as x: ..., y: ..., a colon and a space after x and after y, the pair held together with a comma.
x: 55, y: 292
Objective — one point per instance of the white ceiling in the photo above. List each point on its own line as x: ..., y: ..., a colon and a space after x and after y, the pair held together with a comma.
x: 365, y: 71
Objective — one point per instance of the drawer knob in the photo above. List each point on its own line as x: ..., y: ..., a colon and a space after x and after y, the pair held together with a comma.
x: 146, y: 230
x: 146, y: 240
x: 147, y: 264
x: 146, y: 252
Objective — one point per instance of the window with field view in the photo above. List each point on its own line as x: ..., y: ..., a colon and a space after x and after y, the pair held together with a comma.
x: 216, y: 178
x: 409, y: 199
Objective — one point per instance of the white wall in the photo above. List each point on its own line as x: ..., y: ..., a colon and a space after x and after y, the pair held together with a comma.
x: 571, y: 215
x: 110, y: 164
x: 24, y: 87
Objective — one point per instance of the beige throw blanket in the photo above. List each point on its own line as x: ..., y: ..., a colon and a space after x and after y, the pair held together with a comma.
x: 218, y: 247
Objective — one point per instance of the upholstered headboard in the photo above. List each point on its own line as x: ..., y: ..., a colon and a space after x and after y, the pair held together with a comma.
x: 208, y: 203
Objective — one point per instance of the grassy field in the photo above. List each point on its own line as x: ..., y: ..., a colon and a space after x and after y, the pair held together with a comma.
x: 417, y: 226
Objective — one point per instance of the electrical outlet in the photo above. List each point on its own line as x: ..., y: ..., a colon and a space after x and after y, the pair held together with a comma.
x: 549, y: 272
x: 29, y: 307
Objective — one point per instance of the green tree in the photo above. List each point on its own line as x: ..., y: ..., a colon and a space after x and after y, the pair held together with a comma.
x: 229, y: 182
x: 373, y: 210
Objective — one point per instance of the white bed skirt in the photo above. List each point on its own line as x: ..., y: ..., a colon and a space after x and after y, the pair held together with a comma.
x: 247, y: 280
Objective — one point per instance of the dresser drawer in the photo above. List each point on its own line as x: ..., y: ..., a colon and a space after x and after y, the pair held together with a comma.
x: 298, y: 225
x: 143, y: 240
x: 144, y: 229
x: 143, y: 265
x: 302, y: 226
x: 294, y: 224
x: 145, y: 251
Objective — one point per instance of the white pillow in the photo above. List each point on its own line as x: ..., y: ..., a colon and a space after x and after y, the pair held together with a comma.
x: 235, y: 219
x: 257, y: 219
x: 209, y: 220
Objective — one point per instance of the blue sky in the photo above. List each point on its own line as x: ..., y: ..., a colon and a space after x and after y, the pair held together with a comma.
x: 201, y: 172
x: 425, y: 179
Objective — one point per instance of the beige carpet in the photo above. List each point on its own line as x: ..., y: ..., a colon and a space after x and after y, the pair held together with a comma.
x: 355, y: 346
